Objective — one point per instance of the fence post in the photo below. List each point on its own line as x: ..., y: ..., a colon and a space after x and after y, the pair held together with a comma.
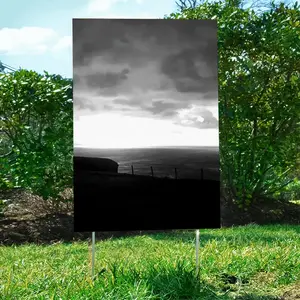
x: 132, y: 172
x: 202, y: 174
x: 151, y: 171
x: 175, y: 173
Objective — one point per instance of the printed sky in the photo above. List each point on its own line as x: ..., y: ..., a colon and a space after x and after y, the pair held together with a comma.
x: 157, y: 78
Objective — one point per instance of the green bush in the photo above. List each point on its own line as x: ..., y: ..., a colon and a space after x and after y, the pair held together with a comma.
x: 36, y: 131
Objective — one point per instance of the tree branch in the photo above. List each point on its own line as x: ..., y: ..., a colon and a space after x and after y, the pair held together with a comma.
x: 184, y: 4
x: 278, y: 189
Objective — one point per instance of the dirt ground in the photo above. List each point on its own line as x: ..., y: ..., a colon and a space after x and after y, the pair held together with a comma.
x: 28, y: 218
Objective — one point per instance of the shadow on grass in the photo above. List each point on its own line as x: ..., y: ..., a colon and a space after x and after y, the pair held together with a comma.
x: 169, y: 282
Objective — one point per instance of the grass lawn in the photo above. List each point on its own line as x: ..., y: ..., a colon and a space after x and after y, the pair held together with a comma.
x: 250, y: 263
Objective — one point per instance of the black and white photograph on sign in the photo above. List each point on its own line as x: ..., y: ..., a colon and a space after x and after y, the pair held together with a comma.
x: 146, y: 134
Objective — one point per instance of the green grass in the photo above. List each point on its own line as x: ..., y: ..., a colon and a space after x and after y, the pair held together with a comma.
x: 261, y: 261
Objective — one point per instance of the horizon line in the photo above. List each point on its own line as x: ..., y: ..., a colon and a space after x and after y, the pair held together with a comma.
x: 145, y: 147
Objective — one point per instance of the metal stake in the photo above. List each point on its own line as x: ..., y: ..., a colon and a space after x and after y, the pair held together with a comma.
x: 197, y: 251
x: 93, y: 254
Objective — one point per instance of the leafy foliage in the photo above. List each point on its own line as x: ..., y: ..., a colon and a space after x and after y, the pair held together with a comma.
x: 36, y: 132
x: 259, y: 96
x: 259, y: 93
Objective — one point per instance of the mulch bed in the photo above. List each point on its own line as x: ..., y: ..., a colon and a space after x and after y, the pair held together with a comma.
x: 48, y: 229
x: 30, y: 219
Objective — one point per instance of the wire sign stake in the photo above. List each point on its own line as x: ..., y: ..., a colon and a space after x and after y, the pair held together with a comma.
x: 93, y: 255
x: 197, y: 251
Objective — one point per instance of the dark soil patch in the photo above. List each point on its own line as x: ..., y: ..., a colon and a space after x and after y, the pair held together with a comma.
x: 47, y: 229
x: 262, y: 213
x: 30, y: 219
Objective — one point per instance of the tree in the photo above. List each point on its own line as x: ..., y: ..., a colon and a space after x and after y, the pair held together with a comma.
x: 258, y: 5
x: 259, y: 96
x: 184, y: 4
x: 36, y: 132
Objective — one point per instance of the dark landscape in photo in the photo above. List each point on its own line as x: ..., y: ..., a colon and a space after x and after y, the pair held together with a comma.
x: 146, y: 147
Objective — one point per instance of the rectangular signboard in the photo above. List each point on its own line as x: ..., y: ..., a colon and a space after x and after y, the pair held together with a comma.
x: 146, y: 136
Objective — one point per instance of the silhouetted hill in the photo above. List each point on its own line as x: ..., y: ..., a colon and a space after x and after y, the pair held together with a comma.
x: 95, y: 164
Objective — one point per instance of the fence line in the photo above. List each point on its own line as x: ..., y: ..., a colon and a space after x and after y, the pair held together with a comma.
x: 175, y: 172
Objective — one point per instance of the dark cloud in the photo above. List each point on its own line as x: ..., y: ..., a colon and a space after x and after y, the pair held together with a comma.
x: 76, y: 79
x: 128, y: 102
x: 106, y: 80
x: 92, y: 37
x: 169, y: 113
x: 211, y: 95
x: 165, y: 108
x: 83, y: 103
x: 154, y: 67
x: 107, y: 107
x: 185, y: 69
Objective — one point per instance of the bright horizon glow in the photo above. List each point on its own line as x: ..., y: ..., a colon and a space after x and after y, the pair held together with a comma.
x: 116, y: 131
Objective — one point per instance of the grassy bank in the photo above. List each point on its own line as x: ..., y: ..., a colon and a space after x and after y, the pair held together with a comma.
x: 251, y: 262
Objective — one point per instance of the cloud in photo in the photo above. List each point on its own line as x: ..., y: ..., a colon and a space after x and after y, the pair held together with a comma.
x: 155, y: 69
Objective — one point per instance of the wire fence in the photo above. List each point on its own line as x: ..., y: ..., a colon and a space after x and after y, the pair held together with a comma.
x: 202, y: 173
